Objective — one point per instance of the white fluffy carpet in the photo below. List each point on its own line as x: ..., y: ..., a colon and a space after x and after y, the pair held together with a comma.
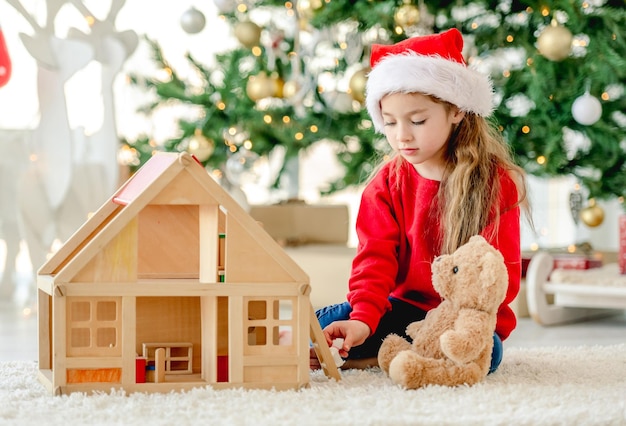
x: 538, y: 386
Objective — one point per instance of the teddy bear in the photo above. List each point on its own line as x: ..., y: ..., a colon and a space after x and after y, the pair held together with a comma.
x: 452, y: 345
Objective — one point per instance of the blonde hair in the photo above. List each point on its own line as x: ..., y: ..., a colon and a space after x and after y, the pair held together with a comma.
x: 468, y: 197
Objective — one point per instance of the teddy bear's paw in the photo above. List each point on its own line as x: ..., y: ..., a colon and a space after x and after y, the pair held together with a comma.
x: 407, y: 370
x: 412, y: 371
x: 413, y: 328
x: 392, y: 344
x: 456, y: 347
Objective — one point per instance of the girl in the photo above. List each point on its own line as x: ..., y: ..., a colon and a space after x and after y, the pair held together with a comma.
x: 450, y: 177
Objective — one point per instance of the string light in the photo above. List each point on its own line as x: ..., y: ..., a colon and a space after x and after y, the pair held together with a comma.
x: 127, y: 156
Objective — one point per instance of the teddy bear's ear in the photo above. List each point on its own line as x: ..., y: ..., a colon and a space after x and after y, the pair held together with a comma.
x: 489, y: 269
x: 477, y: 238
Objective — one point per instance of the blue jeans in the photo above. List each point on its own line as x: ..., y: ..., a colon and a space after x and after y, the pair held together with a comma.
x: 394, y: 321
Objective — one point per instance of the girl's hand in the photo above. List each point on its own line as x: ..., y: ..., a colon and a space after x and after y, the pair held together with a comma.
x: 353, y: 333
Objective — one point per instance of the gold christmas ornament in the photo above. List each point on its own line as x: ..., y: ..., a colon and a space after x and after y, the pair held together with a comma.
x: 592, y: 215
x: 260, y: 86
x: 290, y: 89
x: 248, y: 33
x: 555, y: 42
x: 200, y: 146
x: 407, y: 15
x: 279, y: 85
x: 357, y: 84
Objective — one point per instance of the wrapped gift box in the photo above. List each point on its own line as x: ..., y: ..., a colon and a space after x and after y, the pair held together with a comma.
x: 566, y: 261
x: 296, y: 223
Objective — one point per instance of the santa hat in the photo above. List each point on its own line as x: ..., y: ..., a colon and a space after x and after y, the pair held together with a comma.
x: 432, y: 65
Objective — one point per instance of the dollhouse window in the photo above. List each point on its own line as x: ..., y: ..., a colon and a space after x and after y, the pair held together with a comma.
x: 270, y: 322
x: 94, y: 326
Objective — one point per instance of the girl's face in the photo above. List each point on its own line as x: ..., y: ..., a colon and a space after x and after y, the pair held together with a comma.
x: 418, y: 128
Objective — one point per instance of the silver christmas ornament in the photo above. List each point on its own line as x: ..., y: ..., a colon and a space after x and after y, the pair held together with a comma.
x: 225, y: 6
x: 587, y: 109
x: 192, y: 21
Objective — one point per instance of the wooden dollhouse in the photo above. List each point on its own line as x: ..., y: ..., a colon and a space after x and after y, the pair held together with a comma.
x: 171, y: 285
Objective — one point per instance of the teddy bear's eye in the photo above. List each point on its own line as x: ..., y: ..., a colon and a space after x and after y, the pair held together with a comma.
x: 455, y: 269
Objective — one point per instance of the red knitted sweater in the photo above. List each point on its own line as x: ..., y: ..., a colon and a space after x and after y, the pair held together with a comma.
x: 395, y: 250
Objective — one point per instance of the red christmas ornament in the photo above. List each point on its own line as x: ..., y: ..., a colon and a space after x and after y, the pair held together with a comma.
x: 5, y: 61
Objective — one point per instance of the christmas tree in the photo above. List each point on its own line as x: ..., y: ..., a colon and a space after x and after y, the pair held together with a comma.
x: 298, y: 77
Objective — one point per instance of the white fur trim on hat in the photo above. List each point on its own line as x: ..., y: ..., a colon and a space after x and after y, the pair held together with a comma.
x: 447, y: 80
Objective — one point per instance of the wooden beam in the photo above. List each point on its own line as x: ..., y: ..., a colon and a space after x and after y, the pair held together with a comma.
x: 321, y: 348
x: 178, y: 288
x: 129, y: 338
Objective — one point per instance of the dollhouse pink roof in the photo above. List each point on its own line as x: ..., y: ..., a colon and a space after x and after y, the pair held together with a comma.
x: 144, y: 176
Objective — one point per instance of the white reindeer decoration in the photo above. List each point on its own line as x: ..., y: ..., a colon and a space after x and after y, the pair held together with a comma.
x: 70, y: 173
x: 111, y: 49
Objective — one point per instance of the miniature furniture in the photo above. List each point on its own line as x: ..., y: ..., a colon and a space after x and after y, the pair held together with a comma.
x: 171, y: 263
x: 178, y: 357
x: 558, y: 296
